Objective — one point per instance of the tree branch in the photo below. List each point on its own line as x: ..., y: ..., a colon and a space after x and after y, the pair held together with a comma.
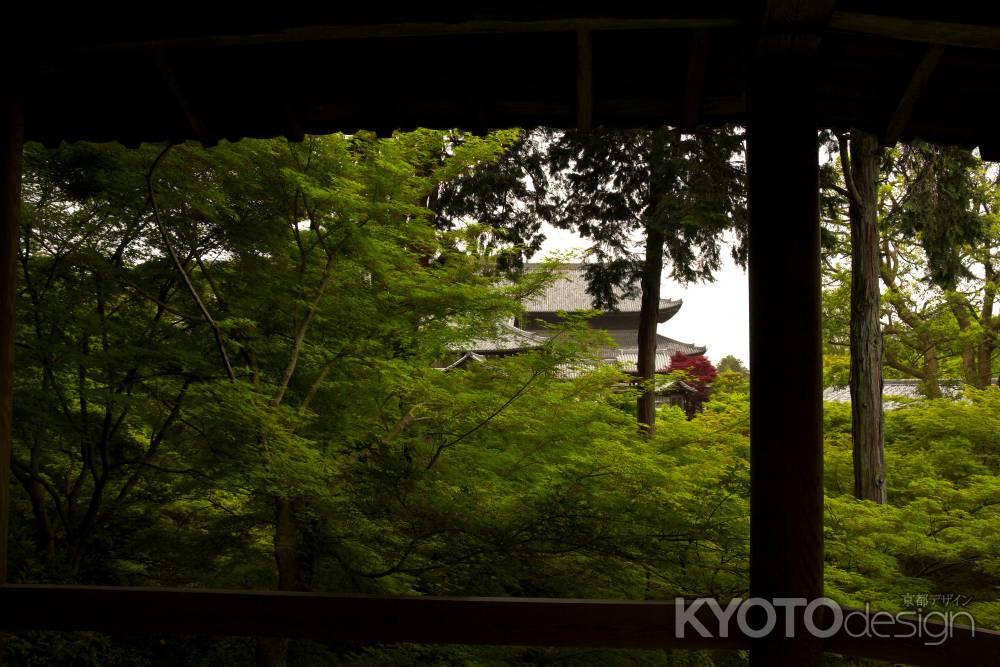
x: 845, y: 166
x: 220, y: 344
x: 300, y: 335
x: 893, y: 362
x: 463, y: 436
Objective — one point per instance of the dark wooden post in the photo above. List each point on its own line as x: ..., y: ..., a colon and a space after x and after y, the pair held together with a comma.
x: 11, y: 146
x: 786, y: 427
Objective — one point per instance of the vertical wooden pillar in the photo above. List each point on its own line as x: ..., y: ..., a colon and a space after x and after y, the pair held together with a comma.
x: 786, y: 427
x: 11, y: 146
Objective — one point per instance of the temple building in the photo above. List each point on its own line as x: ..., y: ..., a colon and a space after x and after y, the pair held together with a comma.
x: 568, y: 293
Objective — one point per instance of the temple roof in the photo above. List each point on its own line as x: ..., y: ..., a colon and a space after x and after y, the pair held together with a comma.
x: 569, y: 293
x: 627, y: 352
x: 629, y: 341
x: 630, y: 358
x: 506, y: 338
x: 462, y: 361
x: 510, y: 339
x: 907, y: 390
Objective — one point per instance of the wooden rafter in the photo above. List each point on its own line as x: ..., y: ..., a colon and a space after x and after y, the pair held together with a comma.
x: 914, y: 30
x: 921, y: 76
x: 191, y: 115
x: 695, y: 81
x: 421, y: 29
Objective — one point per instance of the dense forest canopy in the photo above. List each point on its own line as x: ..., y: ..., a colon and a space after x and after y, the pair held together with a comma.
x: 228, y: 375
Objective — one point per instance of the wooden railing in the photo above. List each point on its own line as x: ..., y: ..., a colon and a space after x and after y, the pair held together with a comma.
x: 445, y: 620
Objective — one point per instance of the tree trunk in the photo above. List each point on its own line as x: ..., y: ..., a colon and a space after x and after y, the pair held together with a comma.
x: 985, y: 365
x: 866, y: 331
x: 989, y: 330
x: 286, y: 542
x: 45, y: 538
x: 648, y: 316
x: 273, y: 652
x: 930, y: 385
x: 970, y: 356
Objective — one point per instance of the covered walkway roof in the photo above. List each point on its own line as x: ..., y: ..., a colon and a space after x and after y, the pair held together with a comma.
x: 895, y: 68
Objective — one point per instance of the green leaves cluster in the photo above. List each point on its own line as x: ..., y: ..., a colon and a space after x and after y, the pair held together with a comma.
x: 937, y: 534
x: 342, y: 458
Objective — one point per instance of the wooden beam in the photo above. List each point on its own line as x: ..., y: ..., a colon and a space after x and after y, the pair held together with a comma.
x: 922, y: 75
x: 990, y: 150
x: 584, y: 80
x: 786, y: 399
x: 428, y: 620
x: 191, y: 115
x: 293, y: 124
x: 794, y: 26
x: 915, y: 640
x: 422, y: 29
x: 973, y: 36
x: 694, y: 89
x: 11, y: 148
x: 500, y: 621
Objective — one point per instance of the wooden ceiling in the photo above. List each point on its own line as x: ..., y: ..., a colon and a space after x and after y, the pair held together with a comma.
x: 893, y: 68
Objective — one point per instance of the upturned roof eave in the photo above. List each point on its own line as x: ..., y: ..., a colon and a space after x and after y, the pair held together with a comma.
x: 667, y: 309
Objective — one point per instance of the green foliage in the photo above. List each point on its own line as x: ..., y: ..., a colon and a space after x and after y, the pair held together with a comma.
x: 508, y: 196
x: 937, y: 534
x: 731, y: 363
x: 612, y: 184
x: 338, y: 296
x: 937, y: 209
x: 730, y: 382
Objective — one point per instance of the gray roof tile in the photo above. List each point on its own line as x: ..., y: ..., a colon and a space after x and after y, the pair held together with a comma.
x: 506, y: 338
x: 905, y: 389
x: 569, y: 293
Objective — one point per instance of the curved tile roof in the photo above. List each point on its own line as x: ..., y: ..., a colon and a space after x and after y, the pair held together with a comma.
x: 506, y: 338
x: 630, y: 339
x: 630, y: 358
x: 569, y: 293
x: 904, y: 389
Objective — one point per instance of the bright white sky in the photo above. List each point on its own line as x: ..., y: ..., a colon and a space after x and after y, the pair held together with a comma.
x: 714, y: 314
